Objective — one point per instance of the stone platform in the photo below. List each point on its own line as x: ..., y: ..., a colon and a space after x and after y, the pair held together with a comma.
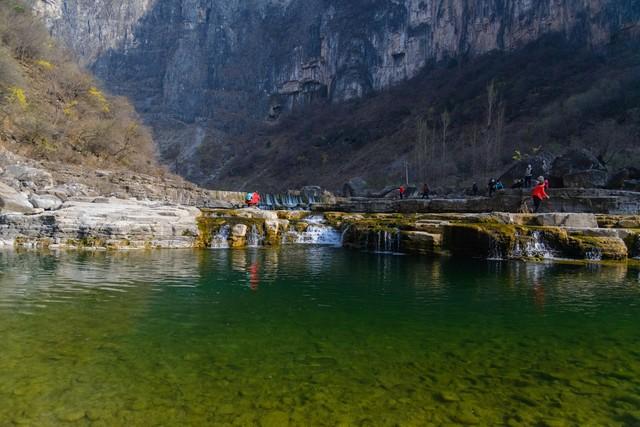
x: 596, y: 201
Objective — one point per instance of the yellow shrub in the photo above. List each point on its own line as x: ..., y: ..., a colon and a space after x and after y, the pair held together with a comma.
x: 99, y: 96
x: 17, y: 95
x: 68, y: 110
x: 45, y: 64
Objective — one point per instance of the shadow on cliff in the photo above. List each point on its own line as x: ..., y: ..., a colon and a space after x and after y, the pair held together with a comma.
x: 547, y: 96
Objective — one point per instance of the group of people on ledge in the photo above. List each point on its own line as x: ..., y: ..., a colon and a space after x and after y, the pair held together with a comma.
x: 538, y: 193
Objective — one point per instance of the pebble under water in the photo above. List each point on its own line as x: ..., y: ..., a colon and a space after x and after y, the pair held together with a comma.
x: 314, y: 336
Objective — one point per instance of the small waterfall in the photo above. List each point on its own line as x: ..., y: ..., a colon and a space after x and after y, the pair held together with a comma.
x: 593, y: 254
x: 387, y: 241
x: 495, y: 252
x: 536, y: 248
x: 254, y: 238
x: 317, y: 233
x: 344, y: 234
x: 221, y: 239
x: 285, y: 202
x: 532, y: 246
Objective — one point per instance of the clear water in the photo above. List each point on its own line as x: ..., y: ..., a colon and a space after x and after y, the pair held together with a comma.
x: 314, y: 336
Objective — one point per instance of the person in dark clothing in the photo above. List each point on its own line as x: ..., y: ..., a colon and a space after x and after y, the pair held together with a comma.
x: 492, y: 186
x: 474, y: 189
x: 528, y: 176
x: 425, y: 191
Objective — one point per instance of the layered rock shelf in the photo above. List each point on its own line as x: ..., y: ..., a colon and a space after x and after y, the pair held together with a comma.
x: 126, y: 224
x: 570, y: 200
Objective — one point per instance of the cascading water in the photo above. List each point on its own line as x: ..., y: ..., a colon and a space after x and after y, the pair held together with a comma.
x: 531, y: 246
x: 317, y: 233
x: 536, y: 248
x: 593, y: 255
x: 495, y: 252
x: 254, y: 238
x: 387, y: 241
x: 221, y: 239
x: 285, y: 202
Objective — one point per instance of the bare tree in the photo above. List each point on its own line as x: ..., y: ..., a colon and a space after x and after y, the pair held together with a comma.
x: 492, y: 94
x: 445, y: 119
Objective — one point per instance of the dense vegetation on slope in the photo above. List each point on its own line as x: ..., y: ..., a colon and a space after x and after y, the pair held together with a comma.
x: 51, y: 109
x: 459, y: 122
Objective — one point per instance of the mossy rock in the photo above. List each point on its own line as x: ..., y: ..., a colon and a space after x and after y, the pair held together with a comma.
x: 598, y: 248
x: 633, y: 245
x: 209, y: 226
x: 480, y: 240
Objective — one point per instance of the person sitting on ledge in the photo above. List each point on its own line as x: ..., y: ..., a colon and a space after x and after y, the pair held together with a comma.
x: 539, y: 194
x: 253, y: 199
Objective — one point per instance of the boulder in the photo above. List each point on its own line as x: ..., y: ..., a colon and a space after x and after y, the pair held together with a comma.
x: 356, y: 187
x: 48, y: 202
x: 624, y: 178
x: 541, y: 166
x: 31, y: 177
x: 239, y: 230
x: 11, y: 201
x: 256, y: 213
x: 578, y: 169
x: 585, y: 179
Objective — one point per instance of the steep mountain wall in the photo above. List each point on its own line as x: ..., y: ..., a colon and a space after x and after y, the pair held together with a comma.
x: 203, y: 71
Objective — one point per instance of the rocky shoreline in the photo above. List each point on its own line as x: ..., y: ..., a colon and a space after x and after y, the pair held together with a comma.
x: 52, y: 206
x: 117, y: 224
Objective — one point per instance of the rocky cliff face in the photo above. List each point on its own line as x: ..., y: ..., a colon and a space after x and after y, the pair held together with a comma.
x: 203, y: 71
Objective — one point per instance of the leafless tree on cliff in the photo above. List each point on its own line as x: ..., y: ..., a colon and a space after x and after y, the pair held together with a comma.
x: 445, y: 119
x: 492, y: 94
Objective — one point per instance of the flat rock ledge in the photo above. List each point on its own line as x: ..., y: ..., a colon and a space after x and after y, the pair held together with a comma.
x: 103, y: 223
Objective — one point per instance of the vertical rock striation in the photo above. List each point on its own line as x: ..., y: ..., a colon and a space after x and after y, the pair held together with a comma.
x: 202, y: 70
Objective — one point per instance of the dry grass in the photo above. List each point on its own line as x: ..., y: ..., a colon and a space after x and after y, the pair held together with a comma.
x: 52, y: 109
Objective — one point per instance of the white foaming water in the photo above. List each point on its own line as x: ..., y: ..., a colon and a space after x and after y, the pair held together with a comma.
x: 254, y: 239
x: 221, y: 240
x: 532, y: 246
x: 388, y: 242
x: 536, y: 247
x: 593, y: 255
x: 317, y: 233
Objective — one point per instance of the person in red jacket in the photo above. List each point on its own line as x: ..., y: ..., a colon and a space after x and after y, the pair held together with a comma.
x: 253, y: 199
x: 539, y: 194
x: 402, y: 190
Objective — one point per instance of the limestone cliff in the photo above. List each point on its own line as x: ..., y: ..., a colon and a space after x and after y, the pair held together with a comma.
x: 203, y: 71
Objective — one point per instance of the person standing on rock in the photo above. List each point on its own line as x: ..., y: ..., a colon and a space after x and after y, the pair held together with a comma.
x: 402, y: 190
x: 425, y: 191
x: 474, y: 189
x: 492, y: 186
x: 528, y: 176
x: 539, y: 194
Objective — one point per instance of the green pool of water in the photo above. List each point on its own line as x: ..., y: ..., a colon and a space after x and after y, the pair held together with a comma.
x: 314, y: 336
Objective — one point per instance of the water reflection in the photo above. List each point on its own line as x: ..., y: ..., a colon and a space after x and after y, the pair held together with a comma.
x: 318, y: 335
